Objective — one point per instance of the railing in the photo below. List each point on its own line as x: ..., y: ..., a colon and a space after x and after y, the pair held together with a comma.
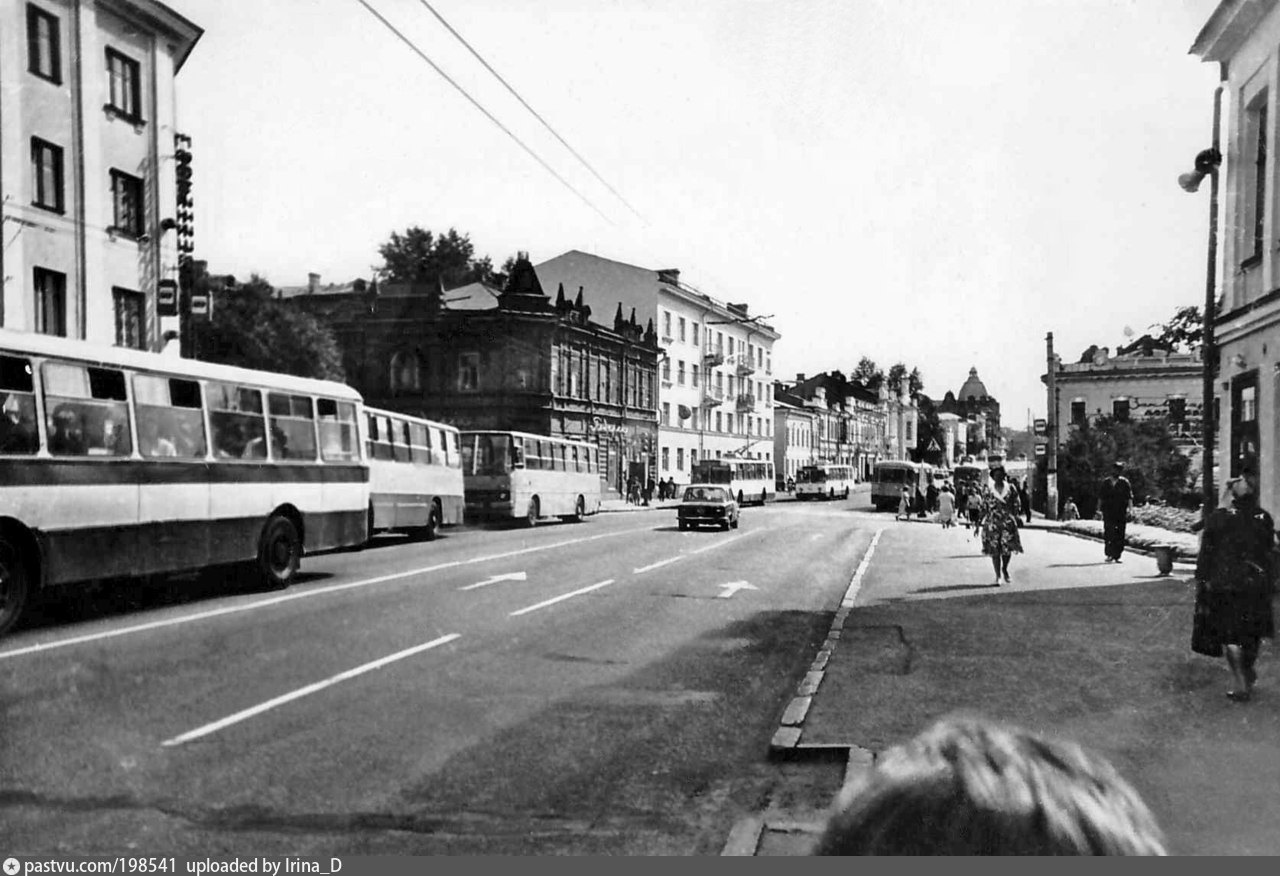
x: 745, y: 365
x: 746, y: 403
x: 713, y: 357
x: 712, y: 397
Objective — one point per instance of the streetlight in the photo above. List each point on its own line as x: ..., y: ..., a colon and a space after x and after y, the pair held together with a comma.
x: 1206, y: 164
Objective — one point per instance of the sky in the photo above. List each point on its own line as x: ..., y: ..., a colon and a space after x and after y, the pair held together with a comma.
x: 934, y: 182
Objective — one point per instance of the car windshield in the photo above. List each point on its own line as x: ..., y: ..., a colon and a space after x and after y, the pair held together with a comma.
x: 704, y: 494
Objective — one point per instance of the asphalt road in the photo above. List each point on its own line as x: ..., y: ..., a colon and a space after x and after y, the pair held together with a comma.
x: 609, y: 687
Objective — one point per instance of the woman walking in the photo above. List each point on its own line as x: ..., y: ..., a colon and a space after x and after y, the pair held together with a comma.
x: 946, y: 507
x: 1000, y: 510
x: 1234, y: 579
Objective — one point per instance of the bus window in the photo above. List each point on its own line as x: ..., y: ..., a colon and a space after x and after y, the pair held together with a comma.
x: 420, y: 444
x: 88, y: 411
x: 235, y: 415
x: 399, y: 440
x: 293, y: 432
x: 337, y: 422
x: 574, y: 456
x: 517, y: 452
x: 440, y: 451
x: 491, y: 454
x: 453, y: 457
x: 170, y: 417
x: 18, y: 432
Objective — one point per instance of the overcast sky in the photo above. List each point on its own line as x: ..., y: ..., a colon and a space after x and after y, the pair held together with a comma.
x: 937, y: 182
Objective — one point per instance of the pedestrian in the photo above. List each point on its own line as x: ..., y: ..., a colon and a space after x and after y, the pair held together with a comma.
x: 1235, y: 575
x: 920, y: 501
x: 1113, y: 500
x: 975, y: 510
x: 649, y: 487
x: 904, y: 504
x: 1069, y: 510
x: 1000, y: 509
x: 946, y: 507
x: 966, y: 786
x: 633, y: 490
x: 931, y: 497
x: 1024, y: 495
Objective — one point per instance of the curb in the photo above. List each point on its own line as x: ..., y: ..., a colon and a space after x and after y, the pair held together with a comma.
x: 1178, y: 559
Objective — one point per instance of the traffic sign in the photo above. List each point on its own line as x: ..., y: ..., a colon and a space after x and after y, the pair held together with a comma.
x: 1040, y: 448
x: 1040, y: 426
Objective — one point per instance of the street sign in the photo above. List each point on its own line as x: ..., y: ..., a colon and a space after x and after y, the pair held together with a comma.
x: 1040, y: 426
x: 1040, y: 448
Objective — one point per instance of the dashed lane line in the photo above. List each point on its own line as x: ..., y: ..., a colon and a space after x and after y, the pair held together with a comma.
x: 561, y: 598
x: 669, y: 560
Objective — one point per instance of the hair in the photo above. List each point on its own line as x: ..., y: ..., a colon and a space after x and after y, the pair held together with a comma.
x: 968, y: 787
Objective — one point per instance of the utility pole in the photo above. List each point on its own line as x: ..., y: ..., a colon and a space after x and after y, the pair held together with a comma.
x: 1051, y: 434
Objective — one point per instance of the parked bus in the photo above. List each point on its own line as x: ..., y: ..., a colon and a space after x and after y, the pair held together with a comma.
x: 510, y: 475
x: 750, y: 480
x: 890, y: 476
x: 824, y: 481
x: 415, y: 474
x: 121, y: 463
x: 968, y: 477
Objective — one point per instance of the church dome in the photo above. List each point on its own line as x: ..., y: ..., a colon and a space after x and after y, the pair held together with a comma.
x: 972, y: 387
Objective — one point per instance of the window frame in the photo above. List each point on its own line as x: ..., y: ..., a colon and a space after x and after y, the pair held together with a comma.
x: 41, y: 147
x: 35, y: 14
x: 131, y: 85
x: 120, y: 295
x: 40, y: 291
x: 124, y: 184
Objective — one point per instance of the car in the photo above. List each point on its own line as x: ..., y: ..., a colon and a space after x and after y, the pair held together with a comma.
x: 707, y: 505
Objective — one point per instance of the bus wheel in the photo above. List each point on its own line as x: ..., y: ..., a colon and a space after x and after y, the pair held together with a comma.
x: 739, y: 498
x: 580, y: 510
x: 432, y: 527
x: 279, y: 553
x: 831, y: 493
x: 846, y: 492
x: 764, y: 496
x: 15, y: 584
x: 535, y: 511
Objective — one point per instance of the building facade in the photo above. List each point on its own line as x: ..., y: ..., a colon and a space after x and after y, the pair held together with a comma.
x: 715, y: 396
x: 89, y: 166
x: 853, y: 425
x: 1242, y: 35
x: 511, y: 360
x: 795, y: 426
x: 981, y: 413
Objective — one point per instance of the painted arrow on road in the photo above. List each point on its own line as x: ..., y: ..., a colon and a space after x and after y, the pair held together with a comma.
x: 494, y: 579
x: 734, y: 586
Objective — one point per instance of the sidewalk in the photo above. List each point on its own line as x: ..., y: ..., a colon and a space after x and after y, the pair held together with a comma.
x: 1075, y: 648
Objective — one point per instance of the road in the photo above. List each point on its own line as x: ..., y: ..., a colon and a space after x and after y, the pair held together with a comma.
x: 609, y: 687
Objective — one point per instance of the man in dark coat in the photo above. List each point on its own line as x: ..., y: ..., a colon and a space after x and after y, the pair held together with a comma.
x: 1113, y: 500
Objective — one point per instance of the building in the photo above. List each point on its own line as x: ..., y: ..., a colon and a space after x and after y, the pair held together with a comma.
x: 980, y: 410
x: 89, y: 163
x: 853, y: 423
x: 1142, y: 381
x: 1241, y: 36
x: 715, y: 392
x: 795, y: 426
x: 513, y: 360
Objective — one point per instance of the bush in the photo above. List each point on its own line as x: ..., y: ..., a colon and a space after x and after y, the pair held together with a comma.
x: 1165, y: 516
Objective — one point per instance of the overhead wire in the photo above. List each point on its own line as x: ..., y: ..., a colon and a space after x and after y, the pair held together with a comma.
x: 526, y: 105
x: 413, y: 47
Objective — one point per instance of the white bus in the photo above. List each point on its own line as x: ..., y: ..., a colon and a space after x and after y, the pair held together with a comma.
x: 415, y: 474
x: 824, y: 481
x: 121, y: 463
x: 890, y: 476
x: 518, y: 475
x: 750, y: 480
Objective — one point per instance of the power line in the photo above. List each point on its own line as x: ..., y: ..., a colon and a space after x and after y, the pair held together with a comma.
x: 478, y: 106
x: 525, y: 104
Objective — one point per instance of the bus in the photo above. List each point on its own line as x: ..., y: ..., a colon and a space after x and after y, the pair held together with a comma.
x: 890, y: 476
x: 824, y: 481
x: 415, y: 474
x: 519, y: 475
x: 969, y: 477
x: 750, y: 480
x: 120, y: 463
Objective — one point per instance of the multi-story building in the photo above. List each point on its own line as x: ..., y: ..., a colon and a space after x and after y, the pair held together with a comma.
x: 980, y: 411
x: 510, y: 360
x: 89, y: 168
x: 1242, y: 35
x: 852, y: 422
x: 795, y: 426
x: 715, y: 391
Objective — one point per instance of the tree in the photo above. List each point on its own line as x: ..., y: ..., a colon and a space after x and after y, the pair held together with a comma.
x: 1184, y: 331
x: 901, y: 380
x: 421, y: 257
x: 1153, y: 466
x: 251, y: 328
x: 868, y: 374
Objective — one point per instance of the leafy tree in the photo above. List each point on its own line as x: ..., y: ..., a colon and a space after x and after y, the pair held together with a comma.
x: 419, y: 256
x: 1184, y: 331
x: 1153, y: 466
x: 928, y: 430
x: 900, y: 379
x: 868, y: 374
x: 251, y: 328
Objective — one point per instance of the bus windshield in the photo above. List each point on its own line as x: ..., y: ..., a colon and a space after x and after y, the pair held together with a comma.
x: 711, y: 471
x: 492, y: 455
x: 892, y: 475
x: 812, y: 475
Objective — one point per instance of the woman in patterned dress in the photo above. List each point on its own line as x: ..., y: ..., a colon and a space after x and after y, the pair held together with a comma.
x: 1000, y: 509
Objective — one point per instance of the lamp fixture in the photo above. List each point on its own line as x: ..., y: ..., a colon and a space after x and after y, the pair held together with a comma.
x: 1207, y: 162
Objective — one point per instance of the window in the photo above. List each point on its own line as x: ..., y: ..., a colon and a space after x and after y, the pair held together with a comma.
x: 293, y: 432
x: 18, y: 432
x: 1078, y: 414
x: 666, y: 370
x: 337, y: 421
x: 128, y: 212
x: 695, y: 334
x: 44, y: 45
x: 1256, y: 185
x: 666, y: 413
x: 666, y: 324
x: 682, y: 334
x: 51, y: 302
x: 719, y: 422
x: 1244, y: 423
x: 124, y: 86
x: 1120, y: 410
x: 680, y: 459
x: 680, y: 373
x: 235, y: 415
x: 404, y: 372
x: 170, y: 417
x: 1177, y: 410
x: 47, y: 189
x: 87, y: 410
x: 130, y: 321
x: 695, y: 373
x: 469, y: 372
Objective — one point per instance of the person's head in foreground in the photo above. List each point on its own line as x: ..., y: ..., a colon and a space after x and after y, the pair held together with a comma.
x: 969, y: 787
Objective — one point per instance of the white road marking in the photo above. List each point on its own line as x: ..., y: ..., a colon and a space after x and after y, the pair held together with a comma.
x: 670, y: 560
x: 306, y: 691
x: 855, y: 583
x: 561, y: 598
x: 733, y: 587
x: 303, y: 594
x: 494, y: 579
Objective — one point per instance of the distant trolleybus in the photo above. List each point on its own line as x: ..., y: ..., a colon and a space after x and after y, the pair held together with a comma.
x: 750, y: 480
x: 119, y: 463
x: 415, y: 474
x: 518, y: 475
x: 824, y: 481
x: 890, y: 476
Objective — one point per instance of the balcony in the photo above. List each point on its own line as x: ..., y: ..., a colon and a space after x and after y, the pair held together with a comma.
x: 745, y: 366
x: 746, y: 403
x: 712, y: 397
x: 713, y: 357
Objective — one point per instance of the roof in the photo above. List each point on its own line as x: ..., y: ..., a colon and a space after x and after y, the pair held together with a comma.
x: 1231, y: 23
x: 973, y: 387
x: 163, y: 19
x: 473, y: 296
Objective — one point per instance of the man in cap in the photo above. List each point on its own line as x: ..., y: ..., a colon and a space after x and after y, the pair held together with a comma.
x: 1113, y: 499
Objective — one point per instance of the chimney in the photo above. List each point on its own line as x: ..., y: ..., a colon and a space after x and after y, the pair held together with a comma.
x: 740, y: 308
x: 799, y: 377
x: 669, y: 275
x: 313, y: 283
